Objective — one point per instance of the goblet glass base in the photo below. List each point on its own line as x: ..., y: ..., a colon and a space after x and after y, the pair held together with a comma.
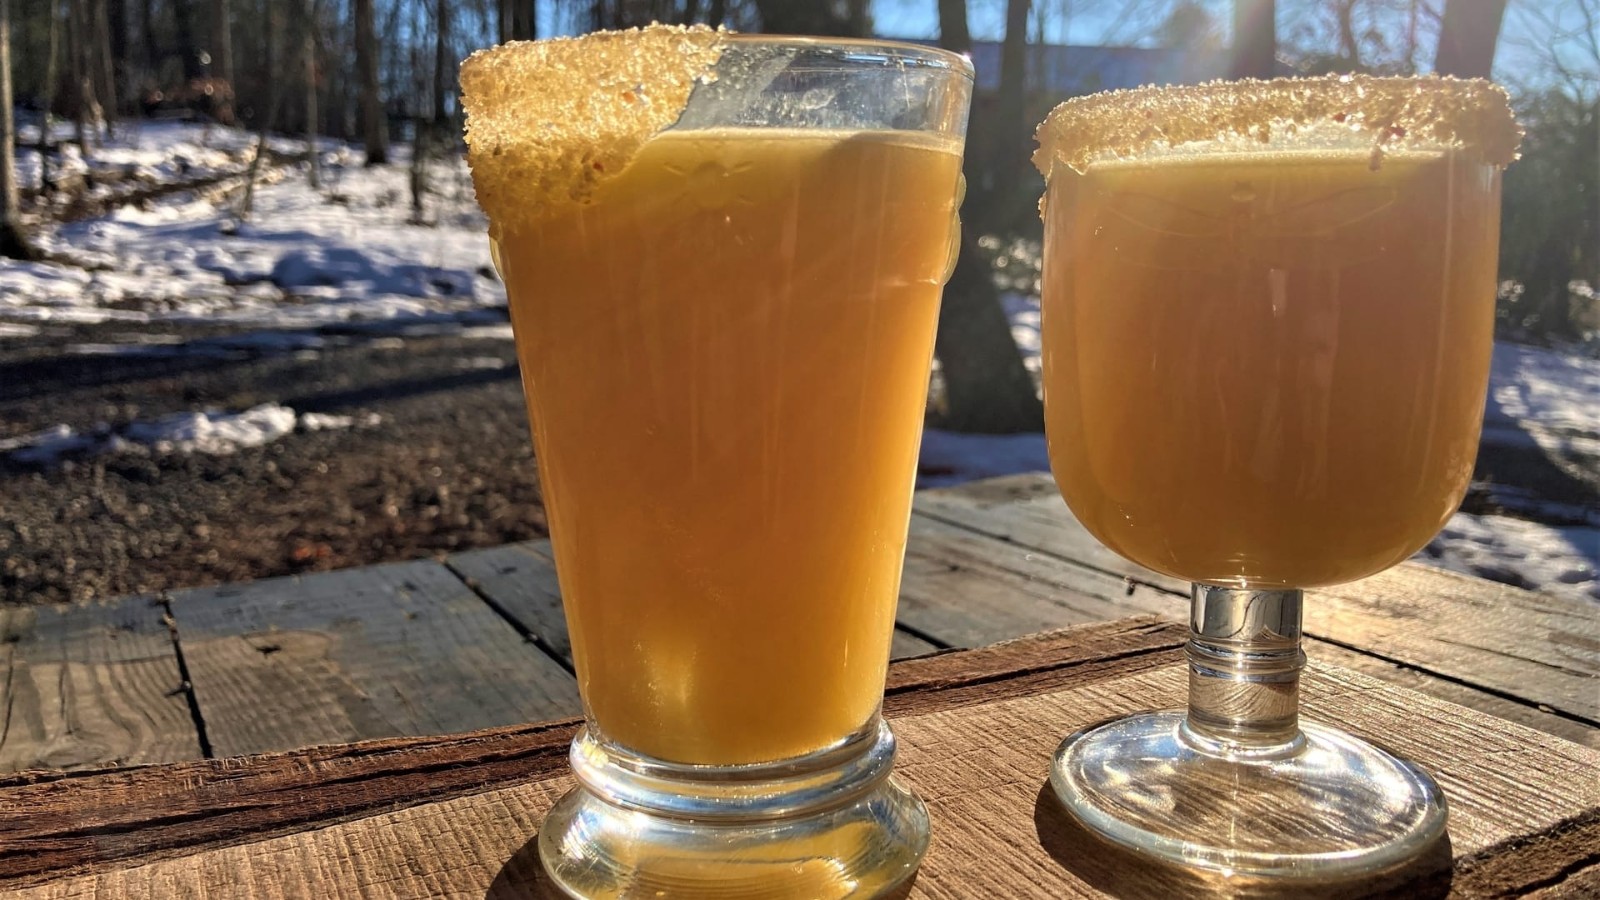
x: 1323, y: 805
x: 830, y: 824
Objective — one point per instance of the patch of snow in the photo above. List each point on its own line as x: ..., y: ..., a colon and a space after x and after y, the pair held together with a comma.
x: 215, y: 433
x: 1556, y: 560
x: 12, y: 330
x: 346, y: 253
x: 325, y: 421
x: 483, y: 362
x: 948, y: 457
x: 210, y: 432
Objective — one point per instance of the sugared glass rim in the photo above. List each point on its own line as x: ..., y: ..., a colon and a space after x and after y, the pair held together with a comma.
x: 1391, y: 113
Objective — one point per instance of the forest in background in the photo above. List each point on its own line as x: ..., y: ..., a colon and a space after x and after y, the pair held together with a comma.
x: 374, y: 72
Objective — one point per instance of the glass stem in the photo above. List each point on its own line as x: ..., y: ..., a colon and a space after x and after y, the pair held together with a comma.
x: 1244, y: 670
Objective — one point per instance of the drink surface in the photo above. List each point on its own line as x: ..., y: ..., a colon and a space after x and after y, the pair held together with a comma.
x: 1268, y: 369
x: 725, y: 353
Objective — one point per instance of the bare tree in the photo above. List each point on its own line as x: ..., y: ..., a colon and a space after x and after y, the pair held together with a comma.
x: 222, y: 39
x: 374, y: 135
x: 954, y: 32
x: 86, y: 108
x: 273, y: 25
x: 147, y: 34
x: 837, y: 18
x: 13, y: 238
x: 105, y: 68
x: 517, y: 20
x: 188, y: 45
x: 986, y: 386
x: 309, y: 52
x: 1255, y: 38
x: 48, y: 95
x: 1467, y: 37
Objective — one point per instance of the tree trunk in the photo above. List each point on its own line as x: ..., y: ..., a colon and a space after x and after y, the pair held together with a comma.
x: 222, y: 27
x: 87, y: 108
x: 716, y: 13
x: 48, y: 99
x: 1010, y: 129
x: 183, y: 14
x: 832, y: 18
x: 272, y: 26
x: 309, y: 51
x: 13, y: 239
x: 118, y: 12
x: 152, y: 47
x: 374, y: 136
x: 1467, y: 37
x: 953, y: 31
x: 441, y: 62
x: 517, y: 21
x: 987, y: 389
x: 106, y: 70
x: 986, y: 386
x: 1255, y: 39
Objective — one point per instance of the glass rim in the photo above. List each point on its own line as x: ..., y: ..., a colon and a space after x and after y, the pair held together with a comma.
x: 1388, y: 112
x: 903, y: 52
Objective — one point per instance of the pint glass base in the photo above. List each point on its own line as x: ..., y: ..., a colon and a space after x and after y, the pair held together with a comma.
x: 831, y: 824
x: 1326, y: 806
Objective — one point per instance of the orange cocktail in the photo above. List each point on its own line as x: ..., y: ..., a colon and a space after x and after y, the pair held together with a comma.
x: 1268, y: 368
x: 725, y: 354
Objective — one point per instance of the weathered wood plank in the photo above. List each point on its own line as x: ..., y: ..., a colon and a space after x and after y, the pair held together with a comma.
x: 1027, y: 510
x: 1454, y: 692
x: 521, y: 580
x: 1541, y: 649
x: 967, y: 589
x: 401, y: 649
x: 91, y: 686
x: 69, y: 821
x: 1525, y: 808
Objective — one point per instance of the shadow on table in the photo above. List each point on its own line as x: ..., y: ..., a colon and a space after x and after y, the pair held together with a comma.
x: 1122, y: 873
x: 523, y: 878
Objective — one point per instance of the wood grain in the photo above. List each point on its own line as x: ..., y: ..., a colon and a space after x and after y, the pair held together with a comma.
x: 401, y: 649
x: 1455, y: 692
x: 91, y: 685
x: 61, y: 821
x: 520, y: 580
x: 1525, y: 808
x: 1519, y: 645
x: 967, y: 589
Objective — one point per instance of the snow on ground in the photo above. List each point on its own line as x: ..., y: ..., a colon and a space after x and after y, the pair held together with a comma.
x: 210, y: 432
x: 307, y: 259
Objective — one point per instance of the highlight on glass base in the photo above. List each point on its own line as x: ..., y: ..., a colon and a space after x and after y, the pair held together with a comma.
x: 723, y: 258
x: 1235, y: 783
x: 1267, y: 315
x: 830, y: 824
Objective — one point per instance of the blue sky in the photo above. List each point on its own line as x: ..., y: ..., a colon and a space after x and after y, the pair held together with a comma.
x: 1521, y: 58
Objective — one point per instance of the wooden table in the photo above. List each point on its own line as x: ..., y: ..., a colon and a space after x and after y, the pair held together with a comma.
x: 1494, y: 689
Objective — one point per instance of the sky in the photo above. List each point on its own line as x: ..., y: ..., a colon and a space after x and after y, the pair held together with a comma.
x: 1521, y: 56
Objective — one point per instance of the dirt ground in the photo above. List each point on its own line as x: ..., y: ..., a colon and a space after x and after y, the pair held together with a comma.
x: 447, y: 466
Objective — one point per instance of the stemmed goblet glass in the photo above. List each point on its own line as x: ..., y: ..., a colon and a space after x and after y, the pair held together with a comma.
x: 1268, y: 311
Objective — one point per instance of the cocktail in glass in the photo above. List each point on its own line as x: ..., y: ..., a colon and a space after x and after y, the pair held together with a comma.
x: 724, y: 332
x: 1267, y: 318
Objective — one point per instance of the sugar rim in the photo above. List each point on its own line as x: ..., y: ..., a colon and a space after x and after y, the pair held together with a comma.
x: 1395, y: 113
